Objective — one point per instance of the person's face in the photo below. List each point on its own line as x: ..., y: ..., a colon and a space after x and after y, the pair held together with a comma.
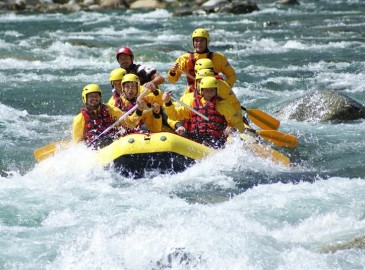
x: 209, y: 93
x: 125, y: 60
x: 197, y: 85
x: 117, y: 85
x: 93, y: 100
x: 130, y: 89
x: 200, y: 44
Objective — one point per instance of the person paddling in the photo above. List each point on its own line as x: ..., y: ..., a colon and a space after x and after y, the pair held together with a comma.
x: 151, y: 120
x: 96, y: 117
x: 186, y: 63
x: 206, y: 101
x: 148, y: 76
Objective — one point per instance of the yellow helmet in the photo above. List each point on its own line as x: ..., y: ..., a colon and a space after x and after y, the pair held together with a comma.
x: 117, y: 74
x: 90, y: 88
x: 203, y: 63
x: 205, y: 72
x: 131, y: 78
x: 208, y: 82
x: 201, y: 32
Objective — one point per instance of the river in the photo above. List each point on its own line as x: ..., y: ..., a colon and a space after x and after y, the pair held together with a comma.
x: 233, y: 210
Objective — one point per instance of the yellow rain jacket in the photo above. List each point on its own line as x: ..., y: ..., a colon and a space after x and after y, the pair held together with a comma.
x: 221, y: 65
x: 225, y: 92
x: 79, y: 122
x: 153, y: 124
x: 177, y: 113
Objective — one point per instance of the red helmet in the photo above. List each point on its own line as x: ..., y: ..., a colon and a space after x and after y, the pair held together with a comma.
x: 124, y: 50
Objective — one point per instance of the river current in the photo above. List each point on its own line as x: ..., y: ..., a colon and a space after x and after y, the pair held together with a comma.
x: 233, y: 210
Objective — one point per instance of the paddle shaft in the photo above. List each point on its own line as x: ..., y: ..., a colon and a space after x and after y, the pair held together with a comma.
x: 187, y: 74
x: 260, y: 118
x: 190, y: 108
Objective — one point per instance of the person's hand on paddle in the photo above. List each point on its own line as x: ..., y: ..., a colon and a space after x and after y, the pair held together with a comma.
x: 151, y: 86
x: 142, y: 105
x: 180, y: 130
x: 174, y: 68
x: 156, y: 108
x: 229, y: 130
x: 166, y: 97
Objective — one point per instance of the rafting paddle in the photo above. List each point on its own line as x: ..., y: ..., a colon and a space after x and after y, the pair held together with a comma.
x: 190, y: 108
x: 50, y: 149
x: 276, y: 137
x: 258, y: 117
x: 262, y: 119
x: 145, y: 92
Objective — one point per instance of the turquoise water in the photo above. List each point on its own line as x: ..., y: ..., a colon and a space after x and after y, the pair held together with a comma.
x: 231, y: 211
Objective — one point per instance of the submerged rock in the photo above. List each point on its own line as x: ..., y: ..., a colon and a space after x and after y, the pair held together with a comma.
x: 356, y: 243
x: 179, y: 257
x: 6, y: 174
x: 321, y: 106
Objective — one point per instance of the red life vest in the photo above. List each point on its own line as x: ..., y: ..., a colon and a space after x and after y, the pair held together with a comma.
x: 198, y: 126
x: 117, y: 99
x: 125, y: 108
x: 191, y: 66
x: 95, y: 124
x: 191, y: 88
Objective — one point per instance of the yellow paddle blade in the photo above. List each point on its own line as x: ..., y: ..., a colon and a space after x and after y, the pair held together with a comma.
x: 274, y: 155
x: 48, y: 150
x: 278, y: 138
x: 265, y: 151
x: 262, y: 119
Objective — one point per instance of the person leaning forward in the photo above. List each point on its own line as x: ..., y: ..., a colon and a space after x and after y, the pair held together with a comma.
x: 186, y: 62
x: 96, y: 117
x: 222, y: 118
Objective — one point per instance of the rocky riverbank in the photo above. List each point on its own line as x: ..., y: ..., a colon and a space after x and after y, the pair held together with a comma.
x: 180, y: 8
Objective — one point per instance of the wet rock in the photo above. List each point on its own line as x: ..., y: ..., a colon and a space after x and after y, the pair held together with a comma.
x: 20, y: 5
x: 356, y: 243
x: 6, y: 174
x: 287, y: 2
x: 179, y: 258
x: 240, y: 8
x: 62, y: 2
x: 321, y: 106
x: 181, y: 7
x: 147, y: 4
x: 111, y: 4
x: 213, y: 3
x: 216, y: 6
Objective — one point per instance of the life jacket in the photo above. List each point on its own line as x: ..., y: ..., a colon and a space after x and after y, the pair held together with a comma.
x: 191, y: 65
x: 95, y: 124
x: 191, y: 88
x: 117, y: 99
x: 125, y: 108
x: 200, y: 129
